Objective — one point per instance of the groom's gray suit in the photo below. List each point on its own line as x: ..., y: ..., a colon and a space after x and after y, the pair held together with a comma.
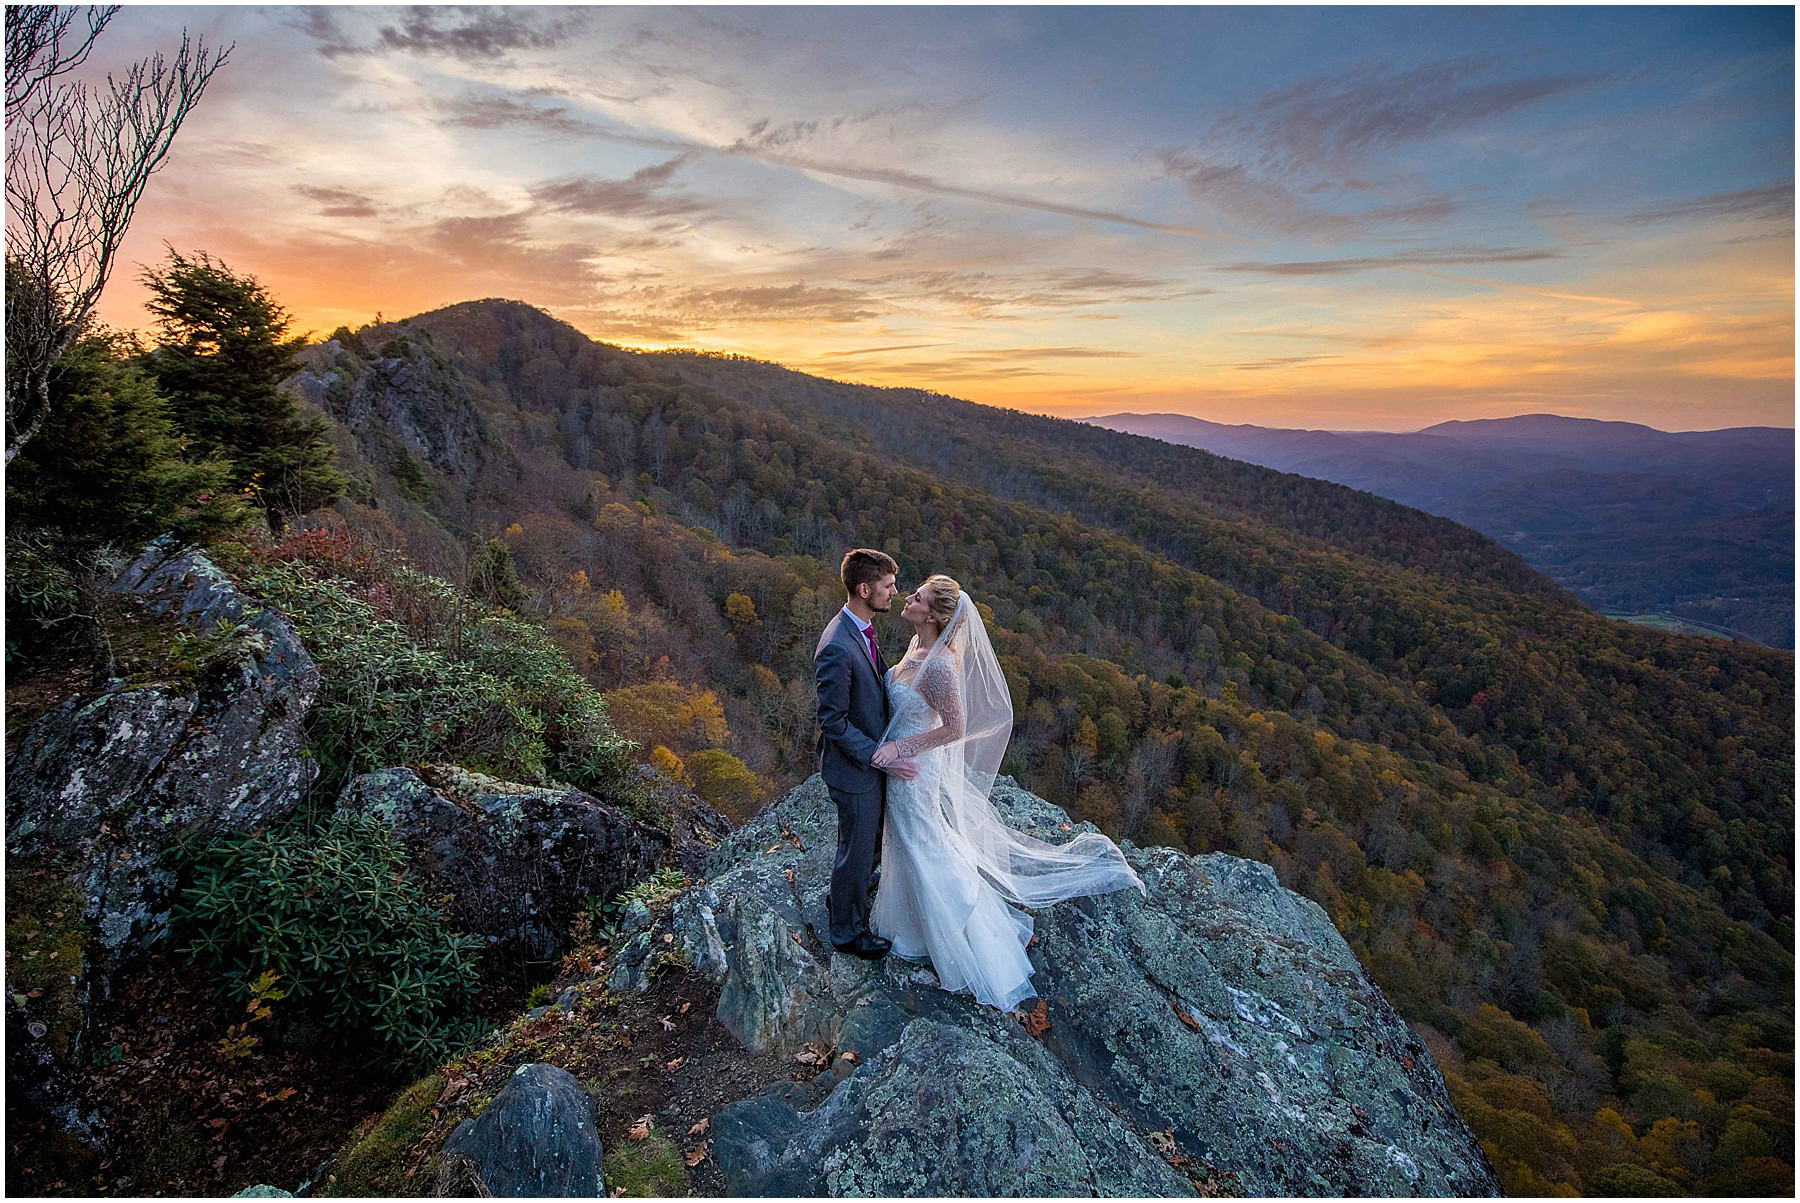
x: 853, y: 712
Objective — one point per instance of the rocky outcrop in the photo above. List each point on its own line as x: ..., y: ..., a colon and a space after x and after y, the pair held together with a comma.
x: 100, y: 790
x: 400, y: 398
x: 115, y: 778
x: 695, y: 826
x: 536, y: 1140
x: 1215, y: 1036
x: 516, y: 861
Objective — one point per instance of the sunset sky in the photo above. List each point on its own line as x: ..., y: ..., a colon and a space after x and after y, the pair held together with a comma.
x: 1340, y: 218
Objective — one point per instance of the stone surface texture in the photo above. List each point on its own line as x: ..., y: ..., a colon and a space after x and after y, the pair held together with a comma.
x: 1216, y: 1036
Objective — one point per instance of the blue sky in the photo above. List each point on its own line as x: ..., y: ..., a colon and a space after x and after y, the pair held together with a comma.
x: 1336, y: 217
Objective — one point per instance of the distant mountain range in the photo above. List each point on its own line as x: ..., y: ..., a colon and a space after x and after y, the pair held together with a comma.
x: 1693, y: 528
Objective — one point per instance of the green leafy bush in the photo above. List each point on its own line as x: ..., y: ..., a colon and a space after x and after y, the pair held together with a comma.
x: 334, y: 916
x: 433, y: 679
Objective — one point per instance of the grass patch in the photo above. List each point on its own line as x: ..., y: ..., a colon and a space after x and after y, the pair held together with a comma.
x: 651, y: 1168
x: 45, y: 936
x: 375, y: 1165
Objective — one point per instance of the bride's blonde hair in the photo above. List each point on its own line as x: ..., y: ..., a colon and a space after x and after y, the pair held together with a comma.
x: 941, y: 594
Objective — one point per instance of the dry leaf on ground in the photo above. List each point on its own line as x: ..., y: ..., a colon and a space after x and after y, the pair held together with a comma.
x: 639, y: 1130
x: 1036, y: 1020
x: 697, y: 1156
x: 701, y: 1128
x: 1184, y: 1016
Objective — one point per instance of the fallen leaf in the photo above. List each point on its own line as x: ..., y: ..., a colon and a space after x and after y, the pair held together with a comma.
x: 701, y: 1128
x: 850, y: 1056
x: 676, y: 1064
x: 807, y: 1057
x: 775, y: 847
x: 615, y: 1192
x: 797, y: 939
x: 668, y: 1024
x: 790, y: 876
x: 1037, y: 1020
x: 639, y: 1130
x: 697, y: 1156
x: 1184, y: 1017
x: 685, y: 1008
x: 668, y: 937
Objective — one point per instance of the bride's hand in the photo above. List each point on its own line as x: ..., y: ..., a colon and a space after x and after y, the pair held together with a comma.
x: 885, y: 755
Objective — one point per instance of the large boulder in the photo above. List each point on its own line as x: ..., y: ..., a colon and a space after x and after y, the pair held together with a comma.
x: 536, y: 1140
x: 114, y: 779
x: 101, y: 789
x: 1215, y: 1036
x: 517, y: 861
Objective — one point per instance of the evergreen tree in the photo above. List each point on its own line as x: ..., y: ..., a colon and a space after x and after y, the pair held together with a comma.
x: 110, y: 468
x: 494, y: 578
x: 221, y: 355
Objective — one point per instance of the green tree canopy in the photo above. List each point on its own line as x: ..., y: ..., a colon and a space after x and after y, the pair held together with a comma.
x: 222, y: 352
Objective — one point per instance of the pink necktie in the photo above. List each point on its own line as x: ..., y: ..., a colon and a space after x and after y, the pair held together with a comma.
x: 874, y: 656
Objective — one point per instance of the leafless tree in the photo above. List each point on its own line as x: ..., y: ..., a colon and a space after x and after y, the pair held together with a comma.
x: 77, y: 161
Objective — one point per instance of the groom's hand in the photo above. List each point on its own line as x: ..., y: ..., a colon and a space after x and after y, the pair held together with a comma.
x: 906, y: 770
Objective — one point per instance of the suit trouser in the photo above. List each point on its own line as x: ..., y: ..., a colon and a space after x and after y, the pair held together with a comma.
x: 860, y: 819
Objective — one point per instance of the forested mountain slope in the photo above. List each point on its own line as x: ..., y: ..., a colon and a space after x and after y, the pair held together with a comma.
x: 1698, y: 524
x: 1558, y: 843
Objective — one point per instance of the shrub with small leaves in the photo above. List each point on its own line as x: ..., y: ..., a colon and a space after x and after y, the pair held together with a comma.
x: 333, y: 914
x: 439, y: 681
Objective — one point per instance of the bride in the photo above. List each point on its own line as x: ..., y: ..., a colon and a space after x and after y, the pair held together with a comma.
x: 953, y: 874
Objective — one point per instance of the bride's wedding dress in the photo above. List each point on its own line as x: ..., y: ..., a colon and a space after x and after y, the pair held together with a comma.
x: 933, y: 903
x: 953, y: 875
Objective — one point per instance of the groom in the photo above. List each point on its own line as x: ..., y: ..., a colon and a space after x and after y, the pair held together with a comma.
x: 853, y: 712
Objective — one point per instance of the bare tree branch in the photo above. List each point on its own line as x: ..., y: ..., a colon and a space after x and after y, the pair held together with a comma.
x: 77, y: 162
x: 35, y: 54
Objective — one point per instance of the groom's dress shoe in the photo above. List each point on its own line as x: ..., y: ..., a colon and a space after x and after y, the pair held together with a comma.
x: 868, y: 947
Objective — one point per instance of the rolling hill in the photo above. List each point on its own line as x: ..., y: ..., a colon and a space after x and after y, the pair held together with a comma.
x: 1695, y: 526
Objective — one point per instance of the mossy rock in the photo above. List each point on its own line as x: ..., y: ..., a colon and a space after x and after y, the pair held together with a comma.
x: 375, y: 1165
x: 651, y: 1168
x: 46, y: 935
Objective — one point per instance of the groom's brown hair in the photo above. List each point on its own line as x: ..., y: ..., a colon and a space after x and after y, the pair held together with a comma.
x: 865, y: 566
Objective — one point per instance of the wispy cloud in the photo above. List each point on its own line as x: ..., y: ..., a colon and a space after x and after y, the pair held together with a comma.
x: 1776, y: 200
x: 642, y: 194
x: 1336, y: 122
x: 1421, y: 258
x: 471, y: 33
x: 497, y: 112
x: 339, y: 202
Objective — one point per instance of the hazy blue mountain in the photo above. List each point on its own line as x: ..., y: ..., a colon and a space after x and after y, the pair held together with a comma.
x: 1697, y: 525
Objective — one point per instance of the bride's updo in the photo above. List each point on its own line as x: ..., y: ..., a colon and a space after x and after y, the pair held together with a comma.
x: 941, y: 594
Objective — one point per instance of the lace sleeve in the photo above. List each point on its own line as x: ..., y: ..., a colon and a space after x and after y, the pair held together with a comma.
x: 940, y: 685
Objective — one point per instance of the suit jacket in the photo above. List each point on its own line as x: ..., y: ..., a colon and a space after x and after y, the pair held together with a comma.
x: 853, y: 708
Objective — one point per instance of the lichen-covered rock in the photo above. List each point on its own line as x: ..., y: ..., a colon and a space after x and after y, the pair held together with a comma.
x: 117, y: 777
x: 696, y: 826
x: 536, y: 1140
x: 516, y: 861
x: 945, y: 1110
x: 1215, y: 1036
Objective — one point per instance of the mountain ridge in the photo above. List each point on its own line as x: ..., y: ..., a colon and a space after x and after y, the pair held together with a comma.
x: 1632, y: 519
